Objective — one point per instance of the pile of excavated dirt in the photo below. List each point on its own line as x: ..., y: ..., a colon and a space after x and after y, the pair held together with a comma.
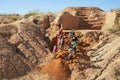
x: 58, y: 69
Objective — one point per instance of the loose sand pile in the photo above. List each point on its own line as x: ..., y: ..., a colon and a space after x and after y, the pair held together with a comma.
x: 58, y: 69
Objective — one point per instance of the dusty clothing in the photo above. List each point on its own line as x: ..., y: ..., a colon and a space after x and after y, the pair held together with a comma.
x: 70, y: 52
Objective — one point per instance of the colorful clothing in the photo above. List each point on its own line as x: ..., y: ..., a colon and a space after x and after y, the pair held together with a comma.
x: 74, y: 44
x: 71, y: 34
x: 55, y: 49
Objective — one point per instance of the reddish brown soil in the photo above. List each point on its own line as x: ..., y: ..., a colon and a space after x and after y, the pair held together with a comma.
x: 58, y: 69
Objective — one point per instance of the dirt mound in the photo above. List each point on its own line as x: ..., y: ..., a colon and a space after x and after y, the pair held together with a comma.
x: 67, y: 20
x: 44, y: 20
x: 79, y: 18
x: 58, y: 69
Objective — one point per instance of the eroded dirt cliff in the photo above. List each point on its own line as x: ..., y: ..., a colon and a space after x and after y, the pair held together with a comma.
x: 22, y: 48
